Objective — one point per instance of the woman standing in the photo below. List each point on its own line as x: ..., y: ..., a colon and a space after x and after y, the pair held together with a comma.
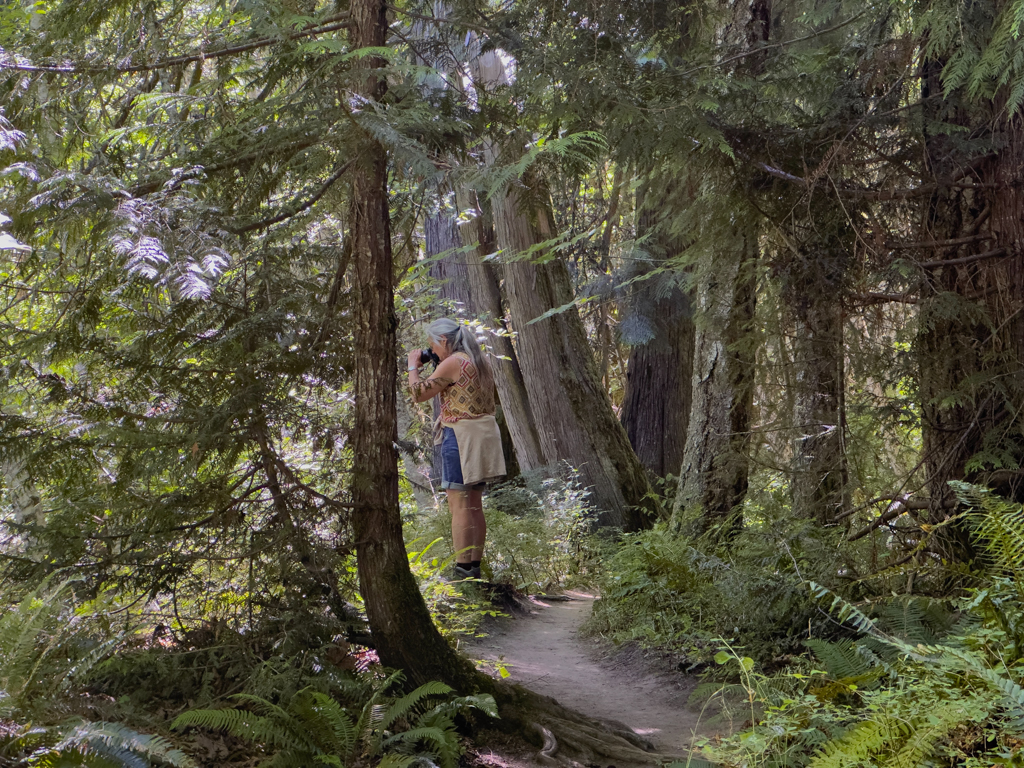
x: 471, y: 453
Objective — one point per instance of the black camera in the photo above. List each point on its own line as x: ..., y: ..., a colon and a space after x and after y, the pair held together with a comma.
x: 428, y: 356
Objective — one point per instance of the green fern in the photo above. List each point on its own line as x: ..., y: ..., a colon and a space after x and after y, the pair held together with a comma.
x: 315, y: 729
x: 100, y: 744
x: 41, y: 641
x: 998, y: 528
x: 401, y: 707
x: 841, y: 659
x: 860, y: 742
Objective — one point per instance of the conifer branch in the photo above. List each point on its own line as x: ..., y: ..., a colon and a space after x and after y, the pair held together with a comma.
x: 296, y: 208
x: 330, y: 24
x: 871, y: 297
x: 993, y: 254
x: 939, y: 243
x: 780, y: 44
x: 153, y: 185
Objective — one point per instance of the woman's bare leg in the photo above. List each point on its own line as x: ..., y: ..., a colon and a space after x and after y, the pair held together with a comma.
x: 463, y: 525
x: 475, y: 501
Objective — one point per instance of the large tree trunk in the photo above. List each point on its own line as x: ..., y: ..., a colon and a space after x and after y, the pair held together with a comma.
x: 656, y: 405
x: 716, y: 464
x: 508, y: 375
x: 441, y: 236
x: 971, y: 341
x: 403, y: 632
x: 813, y: 287
x: 574, y: 415
x: 469, y: 287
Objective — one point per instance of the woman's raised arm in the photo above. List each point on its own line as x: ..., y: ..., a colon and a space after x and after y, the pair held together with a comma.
x: 442, y: 377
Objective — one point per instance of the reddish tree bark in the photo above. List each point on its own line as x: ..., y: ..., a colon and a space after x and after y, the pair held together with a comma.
x: 403, y: 633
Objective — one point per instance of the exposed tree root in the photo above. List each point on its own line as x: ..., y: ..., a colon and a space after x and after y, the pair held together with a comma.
x: 567, y: 737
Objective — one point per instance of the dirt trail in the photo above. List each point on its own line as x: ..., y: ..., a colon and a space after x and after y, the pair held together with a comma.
x: 544, y: 652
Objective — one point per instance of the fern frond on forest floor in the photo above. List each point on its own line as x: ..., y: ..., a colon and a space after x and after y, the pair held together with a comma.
x: 312, y: 728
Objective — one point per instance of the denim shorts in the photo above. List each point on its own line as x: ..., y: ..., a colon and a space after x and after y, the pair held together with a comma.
x: 451, y: 464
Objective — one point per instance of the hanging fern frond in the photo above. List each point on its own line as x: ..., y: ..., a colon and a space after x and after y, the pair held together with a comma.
x: 402, y: 707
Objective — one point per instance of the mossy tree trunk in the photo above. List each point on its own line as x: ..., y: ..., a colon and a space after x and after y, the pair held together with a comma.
x: 812, y: 287
x: 714, y: 473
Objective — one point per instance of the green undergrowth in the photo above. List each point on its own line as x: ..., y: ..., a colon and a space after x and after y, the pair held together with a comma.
x: 682, y: 594
x: 537, y: 536
x: 369, y: 722
x: 910, y: 681
x: 290, y: 691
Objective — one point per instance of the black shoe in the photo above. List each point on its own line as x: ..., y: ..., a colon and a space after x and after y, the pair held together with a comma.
x: 462, y: 573
x: 475, y: 570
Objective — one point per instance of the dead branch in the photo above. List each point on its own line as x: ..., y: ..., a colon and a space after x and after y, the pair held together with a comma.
x: 993, y: 254
x: 898, y: 507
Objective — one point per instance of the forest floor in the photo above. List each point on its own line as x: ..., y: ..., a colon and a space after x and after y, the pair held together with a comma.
x: 544, y: 652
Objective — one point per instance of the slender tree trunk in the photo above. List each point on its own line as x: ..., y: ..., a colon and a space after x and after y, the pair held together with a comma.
x: 656, y: 405
x: 403, y: 632
x: 716, y: 464
x: 813, y: 290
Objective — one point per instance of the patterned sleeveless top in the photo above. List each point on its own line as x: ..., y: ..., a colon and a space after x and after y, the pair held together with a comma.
x: 465, y: 398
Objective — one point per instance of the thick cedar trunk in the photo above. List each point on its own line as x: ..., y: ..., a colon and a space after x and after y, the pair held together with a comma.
x: 813, y: 285
x: 469, y: 287
x: 971, y: 340
x: 656, y: 405
x: 403, y: 632
x: 508, y: 375
x: 716, y: 464
x: 441, y: 236
x: 575, y: 418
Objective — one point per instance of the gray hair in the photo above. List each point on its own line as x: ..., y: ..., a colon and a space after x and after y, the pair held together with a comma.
x: 460, y: 338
